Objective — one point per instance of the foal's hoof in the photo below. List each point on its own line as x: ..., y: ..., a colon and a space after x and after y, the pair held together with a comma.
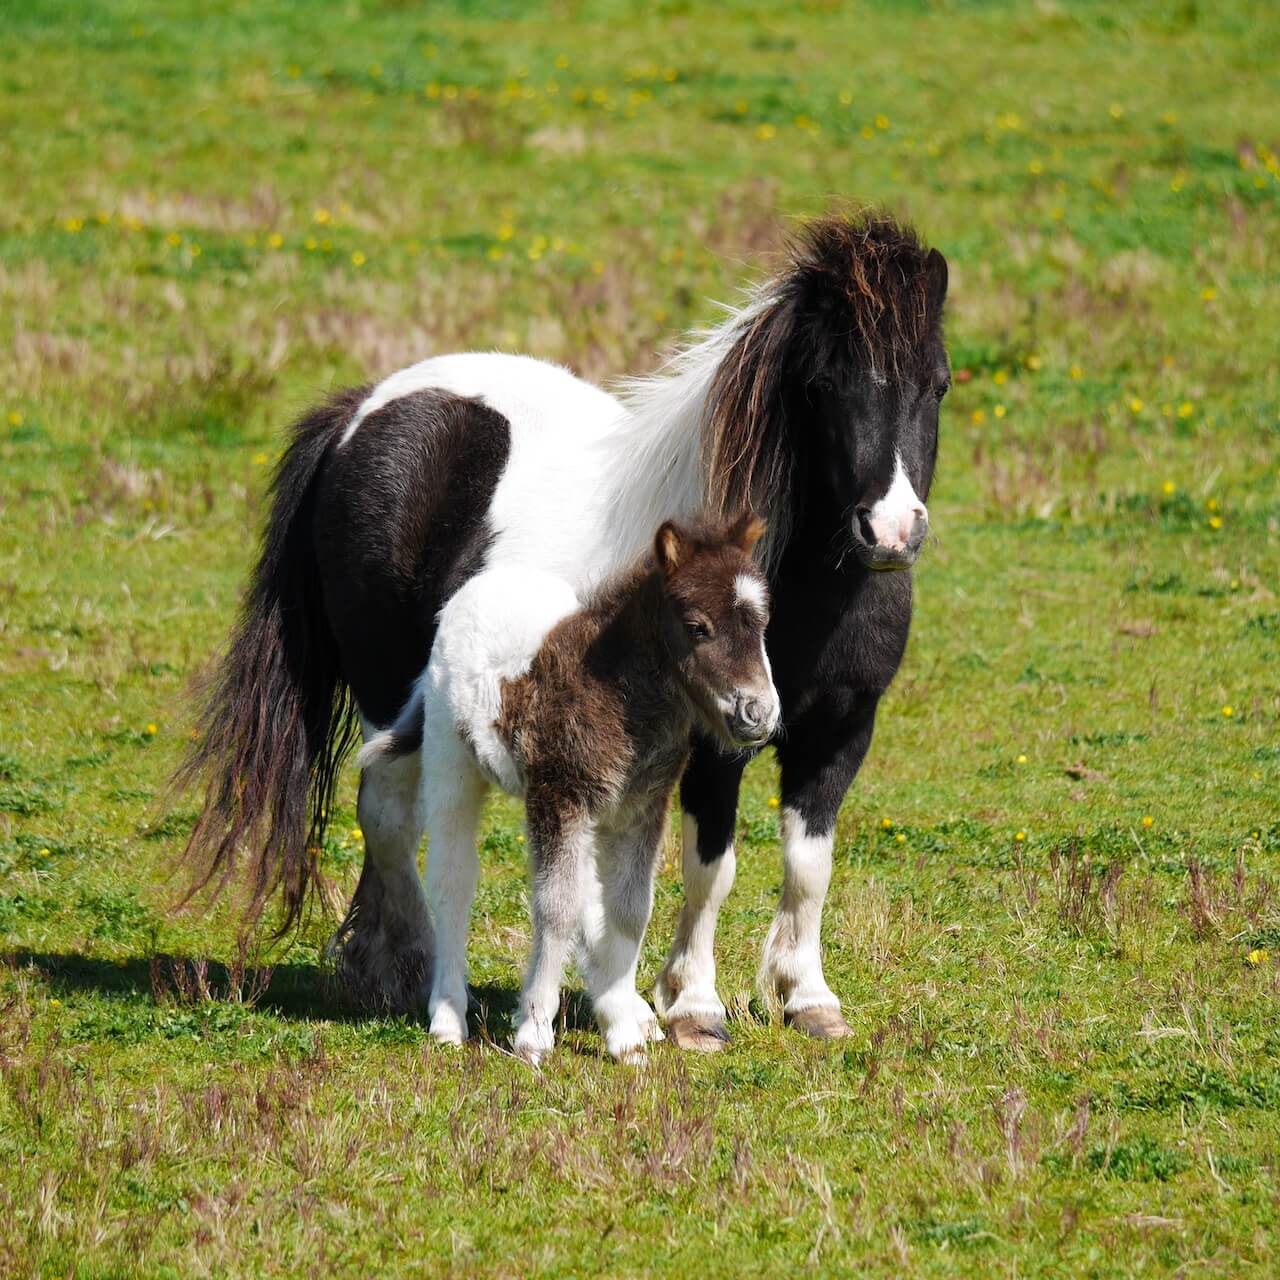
x: 701, y: 1037
x: 821, y: 1023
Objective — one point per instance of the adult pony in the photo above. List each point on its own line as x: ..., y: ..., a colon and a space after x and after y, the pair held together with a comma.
x: 816, y: 404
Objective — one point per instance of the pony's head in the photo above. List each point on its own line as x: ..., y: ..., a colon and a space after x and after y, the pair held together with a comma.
x: 716, y: 607
x: 827, y: 403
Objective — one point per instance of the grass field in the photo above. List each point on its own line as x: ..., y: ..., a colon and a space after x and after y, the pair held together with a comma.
x: 1055, y: 920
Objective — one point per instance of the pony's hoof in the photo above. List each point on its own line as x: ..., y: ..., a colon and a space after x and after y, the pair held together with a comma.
x: 700, y: 1037
x: 821, y: 1023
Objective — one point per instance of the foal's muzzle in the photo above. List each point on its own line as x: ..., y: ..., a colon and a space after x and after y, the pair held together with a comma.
x: 888, y: 545
x: 754, y: 719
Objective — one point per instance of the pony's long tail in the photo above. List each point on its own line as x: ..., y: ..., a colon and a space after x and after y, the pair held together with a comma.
x: 276, y: 718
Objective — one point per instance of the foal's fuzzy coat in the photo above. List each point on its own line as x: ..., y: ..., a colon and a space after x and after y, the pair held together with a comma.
x: 589, y: 718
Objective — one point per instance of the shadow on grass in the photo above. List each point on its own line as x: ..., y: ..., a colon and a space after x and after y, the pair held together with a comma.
x: 300, y: 990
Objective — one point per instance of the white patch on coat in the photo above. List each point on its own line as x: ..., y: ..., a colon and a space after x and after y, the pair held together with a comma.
x: 590, y: 475
x: 489, y: 632
x: 893, y: 516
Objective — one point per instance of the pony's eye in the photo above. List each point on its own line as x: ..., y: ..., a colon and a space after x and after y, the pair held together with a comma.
x: 698, y: 629
x: 940, y: 389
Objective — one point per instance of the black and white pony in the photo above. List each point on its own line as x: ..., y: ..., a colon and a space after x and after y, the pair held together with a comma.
x: 816, y: 404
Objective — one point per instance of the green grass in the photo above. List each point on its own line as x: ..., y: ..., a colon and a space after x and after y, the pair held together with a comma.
x: 1066, y: 1057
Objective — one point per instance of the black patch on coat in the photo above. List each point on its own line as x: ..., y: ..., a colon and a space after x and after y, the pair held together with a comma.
x: 400, y: 524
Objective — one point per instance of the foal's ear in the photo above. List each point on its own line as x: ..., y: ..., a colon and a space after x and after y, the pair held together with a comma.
x: 746, y: 531
x: 668, y: 547
x: 935, y: 267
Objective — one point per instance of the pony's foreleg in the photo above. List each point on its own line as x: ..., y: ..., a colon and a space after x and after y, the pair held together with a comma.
x: 382, y: 949
x: 453, y: 792
x: 559, y: 847
x: 685, y: 992
x: 816, y: 773
x: 617, y: 902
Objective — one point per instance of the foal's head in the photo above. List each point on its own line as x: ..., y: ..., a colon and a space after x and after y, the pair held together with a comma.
x: 828, y: 404
x: 716, y: 608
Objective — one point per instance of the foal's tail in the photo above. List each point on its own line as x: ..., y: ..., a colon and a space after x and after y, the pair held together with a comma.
x: 277, y: 717
x: 402, y: 739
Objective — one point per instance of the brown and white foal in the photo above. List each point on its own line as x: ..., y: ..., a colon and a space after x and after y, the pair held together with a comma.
x: 585, y: 709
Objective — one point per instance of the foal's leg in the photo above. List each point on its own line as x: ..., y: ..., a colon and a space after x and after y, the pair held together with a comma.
x: 685, y: 992
x: 618, y: 899
x: 453, y: 792
x: 819, y: 758
x: 383, y: 947
x: 559, y: 849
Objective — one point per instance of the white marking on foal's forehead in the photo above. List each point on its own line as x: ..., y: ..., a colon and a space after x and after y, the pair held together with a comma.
x: 748, y: 589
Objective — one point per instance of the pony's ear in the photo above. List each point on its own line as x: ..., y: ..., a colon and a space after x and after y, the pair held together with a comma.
x: 668, y: 547
x: 936, y: 269
x: 746, y: 531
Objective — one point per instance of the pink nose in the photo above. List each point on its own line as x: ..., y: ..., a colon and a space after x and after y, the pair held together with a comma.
x: 893, y: 532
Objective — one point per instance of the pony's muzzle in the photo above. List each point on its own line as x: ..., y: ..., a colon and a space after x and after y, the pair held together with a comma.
x: 890, y: 541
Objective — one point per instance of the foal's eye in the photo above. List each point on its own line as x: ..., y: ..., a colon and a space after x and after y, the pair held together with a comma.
x: 941, y: 388
x: 698, y: 628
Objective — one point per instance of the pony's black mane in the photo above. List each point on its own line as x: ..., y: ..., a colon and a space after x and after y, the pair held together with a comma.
x: 855, y: 299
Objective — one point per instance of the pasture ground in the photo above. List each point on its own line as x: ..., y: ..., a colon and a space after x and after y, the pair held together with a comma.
x: 1054, y: 920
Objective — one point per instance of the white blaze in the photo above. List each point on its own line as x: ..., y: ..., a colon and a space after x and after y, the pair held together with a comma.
x: 893, y: 517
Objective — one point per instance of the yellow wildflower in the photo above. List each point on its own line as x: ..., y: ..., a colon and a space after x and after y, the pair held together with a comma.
x: 1169, y: 488
x: 275, y: 240
x: 765, y: 131
x: 1022, y: 759
x: 15, y: 418
x: 886, y: 823
x: 1077, y: 372
x: 358, y: 259
x: 151, y: 730
x: 1186, y: 409
x: 1228, y: 711
x: 1033, y: 362
x: 55, y: 1003
x: 999, y: 411
x: 1215, y: 522
x: 259, y: 459
x: 1208, y: 293
x: 1019, y: 836
x: 1259, y: 955
x: 1115, y: 111
x: 1136, y: 405
x: 1148, y: 821
x: 774, y: 802
x: 173, y: 239
x: 900, y: 838
x: 999, y: 377
x: 979, y: 417
x: 882, y: 122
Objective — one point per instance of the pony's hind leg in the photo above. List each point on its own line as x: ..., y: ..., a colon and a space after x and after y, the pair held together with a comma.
x: 382, y: 949
x: 453, y: 792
